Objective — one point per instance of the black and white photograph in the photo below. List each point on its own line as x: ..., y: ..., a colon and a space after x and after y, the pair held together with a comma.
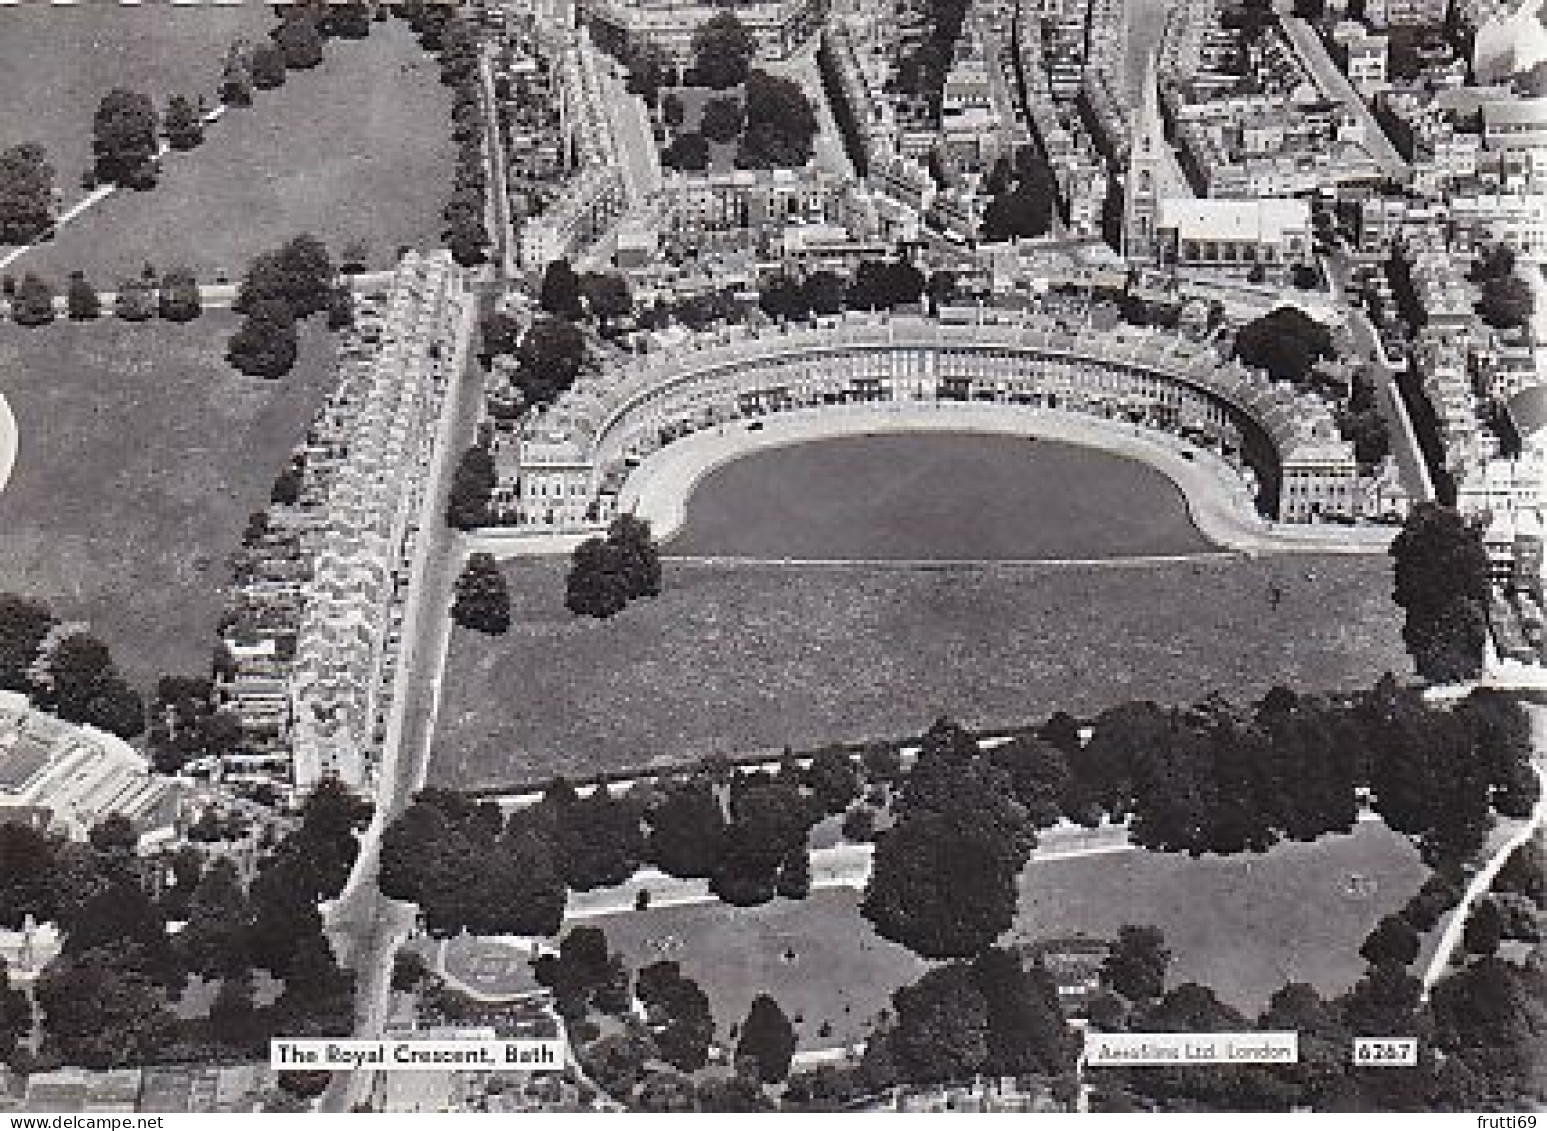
x: 563, y: 557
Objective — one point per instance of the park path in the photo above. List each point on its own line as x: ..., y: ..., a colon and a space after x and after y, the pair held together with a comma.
x: 97, y: 195
x: 1455, y: 926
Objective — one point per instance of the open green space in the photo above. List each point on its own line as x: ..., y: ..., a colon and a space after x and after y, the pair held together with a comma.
x: 57, y: 62
x: 740, y: 658
x: 934, y: 496
x: 141, y: 453
x: 1244, y: 925
x: 357, y: 148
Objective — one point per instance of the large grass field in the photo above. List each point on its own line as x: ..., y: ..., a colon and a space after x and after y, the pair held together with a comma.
x: 359, y: 147
x: 738, y: 658
x: 1242, y: 925
x: 140, y: 455
x: 934, y: 496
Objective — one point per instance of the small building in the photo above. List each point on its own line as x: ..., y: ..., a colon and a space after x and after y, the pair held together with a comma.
x: 1232, y: 233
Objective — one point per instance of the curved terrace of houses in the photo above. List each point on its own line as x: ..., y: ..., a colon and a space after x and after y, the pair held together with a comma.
x: 610, y: 422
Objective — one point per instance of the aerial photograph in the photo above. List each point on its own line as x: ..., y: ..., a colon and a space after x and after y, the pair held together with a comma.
x: 772, y: 556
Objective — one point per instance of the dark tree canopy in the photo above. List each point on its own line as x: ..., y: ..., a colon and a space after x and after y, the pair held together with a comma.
x: 767, y: 1040
x: 1441, y: 571
x: 26, y: 193
x: 183, y: 124
x: 1286, y: 342
x: 1137, y: 964
x: 722, y: 51
x: 125, y: 134
x: 560, y: 294
x: 482, y: 600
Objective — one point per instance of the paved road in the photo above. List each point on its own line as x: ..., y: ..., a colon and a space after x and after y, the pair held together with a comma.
x: 366, y: 926
x: 1404, y: 437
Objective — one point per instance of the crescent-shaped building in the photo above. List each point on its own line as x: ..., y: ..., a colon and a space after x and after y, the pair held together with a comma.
x: 573, y: 461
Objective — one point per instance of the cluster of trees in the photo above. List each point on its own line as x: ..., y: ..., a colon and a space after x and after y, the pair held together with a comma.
x: 64, y: 669
x: 745, y: 832
x: 780, y: 124
x: 105, y: 999
x: 175, y: 296
x: 446, y: 32
x: 183, y: 724
x: 607, y: 573
x: 1023, y: 198
x: 472, y: 486
x: 1285, y: 342
x: 482, y: 599
x: 1442, y: 586
x: 548, y: 354
x: 1507, y: 301
x: 281, y: 288
x: 1478, y: 1036
x: 1361, y: 421
x: 295, y: 44
x: 944, y: 879
x: 723, y: 50
x: 26, y: 193
x: 877, y: 284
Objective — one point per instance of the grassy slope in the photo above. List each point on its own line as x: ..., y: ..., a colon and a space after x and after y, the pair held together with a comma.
x: 141, y: 454
x: 739, y: 658
x: 358, y: 147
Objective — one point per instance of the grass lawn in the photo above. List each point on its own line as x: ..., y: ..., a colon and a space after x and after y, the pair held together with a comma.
x: 739, y: 658
x: 140, y: 455
x: 1242, y: 925
x: 358, y: 147
x: 56, y: 63
x: 936, y: 496
x: 816, y: 957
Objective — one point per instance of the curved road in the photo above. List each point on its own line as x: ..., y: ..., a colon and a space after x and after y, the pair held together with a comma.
x: 8, y: 441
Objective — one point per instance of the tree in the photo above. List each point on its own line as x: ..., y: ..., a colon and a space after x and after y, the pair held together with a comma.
x: 266, y: 343
x: 135, y: 300
x: 28, y: 870
x: 942, y: 1029
x: 1027, y: 1033
x: 672, y: 111
x: 598, y: 584
x: 767, y: 1040
x: 781, y: 124
x: 1484, y: 928
x: 124, y: 139
x: 548, y: 359
x: 824, y: 292
x: 1506, y: 303
x: 15, y: 1014
x: 268, y: 67
x: 26, y: 194
x: 607, y: 296
x: 33, y: 304
x: 637, y: 555
x: 236, y: 79
x: 1441, y: 571
x: 688, y: 152
x: 81, y: 685
x: 183, y: 125
x: 687, y: 830
x: 472, y: 485
x: 783, y: 298
x: 100, y: 1012
x: 1393, y: 942
x: 721, y: 119
x: 298, y: 37
x: 1286, y: 342
x: 180, y: 297
x: 679, y: 1015
x: 24, y: 625
x: 833, y: 779
x: 722, y: 51
x: 560, y: 293
x: 1136, y: 966
x: 482, y: 599
x: 214, y: 941
x: 81, y: 299
x: 299, y: 274
x: 1025, y: 211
